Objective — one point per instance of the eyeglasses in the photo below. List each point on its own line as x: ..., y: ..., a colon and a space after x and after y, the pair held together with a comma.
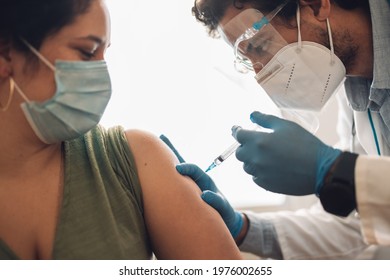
x: 242, y: 62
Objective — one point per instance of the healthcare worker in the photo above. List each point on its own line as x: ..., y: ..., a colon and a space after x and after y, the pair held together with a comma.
x: 301, y: 52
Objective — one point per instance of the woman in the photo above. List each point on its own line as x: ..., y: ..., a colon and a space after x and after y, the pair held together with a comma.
x: 69, y: 189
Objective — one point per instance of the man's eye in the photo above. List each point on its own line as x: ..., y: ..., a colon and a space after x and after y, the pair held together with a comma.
x: 257, y: 50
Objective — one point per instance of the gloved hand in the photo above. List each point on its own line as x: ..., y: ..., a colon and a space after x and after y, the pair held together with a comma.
x: 212, y: 196
x: 288, y: 160
x: 173, y: 149
x: 210, y: 193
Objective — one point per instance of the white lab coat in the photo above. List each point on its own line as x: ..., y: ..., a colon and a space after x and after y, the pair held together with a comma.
x: 372, y: 172
x: 315, y: 234
x: 372, y: 181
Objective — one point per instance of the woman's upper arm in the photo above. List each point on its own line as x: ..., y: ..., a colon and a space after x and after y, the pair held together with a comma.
x: 180, y: 224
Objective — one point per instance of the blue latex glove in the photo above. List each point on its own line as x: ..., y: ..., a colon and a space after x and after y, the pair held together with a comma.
x: 173, y: 149
x: 288, y: 160
x: 212, y: 196
x: 210, y: 193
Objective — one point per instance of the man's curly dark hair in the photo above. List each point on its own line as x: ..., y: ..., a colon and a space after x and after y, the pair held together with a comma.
x: 210, y: 12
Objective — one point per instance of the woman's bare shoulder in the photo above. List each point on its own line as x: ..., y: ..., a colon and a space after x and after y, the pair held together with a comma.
x: 181, y: 225
x: 149, y: 151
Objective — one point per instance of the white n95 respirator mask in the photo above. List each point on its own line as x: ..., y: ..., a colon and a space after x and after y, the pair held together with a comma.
x: 83, y: 90
x: 302, y: 77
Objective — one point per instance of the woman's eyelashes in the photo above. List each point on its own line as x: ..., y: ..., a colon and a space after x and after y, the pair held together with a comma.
x: 87, y: 54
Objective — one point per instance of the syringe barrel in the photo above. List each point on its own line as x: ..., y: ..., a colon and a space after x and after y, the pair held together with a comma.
x: 227, y: 153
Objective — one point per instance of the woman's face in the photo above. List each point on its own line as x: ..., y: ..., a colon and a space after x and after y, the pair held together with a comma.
x: 85, y: 39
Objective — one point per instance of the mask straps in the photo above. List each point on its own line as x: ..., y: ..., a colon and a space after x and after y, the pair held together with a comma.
x: 330, y: 41
x: 299, y: 27
x: 19, y: 90
x: 329, y: 33
x: 37, y: 53
x: 42, y: 58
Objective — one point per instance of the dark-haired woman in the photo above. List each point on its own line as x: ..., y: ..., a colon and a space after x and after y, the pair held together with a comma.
x: 70, y: 189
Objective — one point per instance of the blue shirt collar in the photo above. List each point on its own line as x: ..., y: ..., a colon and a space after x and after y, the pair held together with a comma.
x: 374, y: 94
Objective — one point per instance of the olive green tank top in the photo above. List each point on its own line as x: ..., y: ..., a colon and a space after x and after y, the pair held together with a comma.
x: 101, y: 215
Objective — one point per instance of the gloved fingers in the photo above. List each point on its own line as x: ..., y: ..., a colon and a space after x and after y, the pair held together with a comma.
x: 232, y: 219
x: 200, y: 177
x: 251, y: 168
x: 262, y: 182
x: 235, y: 129
x: 170, y: 145
x: 264, y: 120
x: 217, y: 201
x: 244, y: 136
x: 255, y: 145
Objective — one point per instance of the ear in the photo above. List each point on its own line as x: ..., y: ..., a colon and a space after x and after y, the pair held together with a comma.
x: 5, y: 68
x: 321, y: 8
x: 5, y: 61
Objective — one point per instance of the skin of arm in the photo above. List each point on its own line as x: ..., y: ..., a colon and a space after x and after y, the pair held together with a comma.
x: 180, y: 224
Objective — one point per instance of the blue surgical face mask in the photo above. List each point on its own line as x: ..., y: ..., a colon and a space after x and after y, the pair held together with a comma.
x: 82, y: 94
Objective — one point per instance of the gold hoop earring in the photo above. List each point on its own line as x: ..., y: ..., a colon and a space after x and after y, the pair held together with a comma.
x: 11, y: 93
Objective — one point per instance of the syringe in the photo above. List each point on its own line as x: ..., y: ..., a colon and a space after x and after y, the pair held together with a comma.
x: 227, y: 153
x: 222, y: 157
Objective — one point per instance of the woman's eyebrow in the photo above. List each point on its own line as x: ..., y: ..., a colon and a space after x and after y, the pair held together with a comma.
x: 93, y: 38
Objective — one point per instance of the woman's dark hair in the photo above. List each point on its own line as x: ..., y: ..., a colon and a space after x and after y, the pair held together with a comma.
x: 210, y: 12
x: 35, y: 20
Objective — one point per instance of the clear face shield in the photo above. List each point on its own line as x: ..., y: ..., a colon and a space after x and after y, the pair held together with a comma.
x: 253, y: 38
x: 299, y: 78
